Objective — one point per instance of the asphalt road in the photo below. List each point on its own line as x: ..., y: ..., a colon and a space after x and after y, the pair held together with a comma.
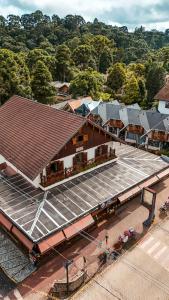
x: 6, y: 285
x: 142, y: 273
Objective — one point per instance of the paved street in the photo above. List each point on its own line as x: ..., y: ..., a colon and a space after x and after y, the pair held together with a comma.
x: 37, y: 286
x: 142, y: 273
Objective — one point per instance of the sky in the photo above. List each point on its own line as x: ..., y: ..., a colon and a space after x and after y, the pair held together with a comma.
x: 152, y: 14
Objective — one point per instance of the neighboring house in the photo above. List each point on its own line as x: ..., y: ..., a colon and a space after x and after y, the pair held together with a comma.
x: 46, y: 145
x: 163, y: 97
x: 62, y: 88
x: 133, y: 129
x: 149, y: 129
x: 156, y: 127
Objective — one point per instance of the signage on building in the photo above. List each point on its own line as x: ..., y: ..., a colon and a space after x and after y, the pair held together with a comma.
x: 79, y: 149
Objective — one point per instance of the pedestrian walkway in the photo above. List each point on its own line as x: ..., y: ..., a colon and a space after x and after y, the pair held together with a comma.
x: 156, y: 249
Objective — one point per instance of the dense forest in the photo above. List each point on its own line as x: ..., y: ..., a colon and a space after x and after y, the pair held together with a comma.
x: 104, y: 61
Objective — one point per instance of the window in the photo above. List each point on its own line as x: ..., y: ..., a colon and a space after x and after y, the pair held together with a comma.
x: 167, y: 104
x: 131, y: 136
x: 113, y: 130
x: 80, y: 138
x: 79, y: 158
x: 54, y: 167
x: 154, y: 143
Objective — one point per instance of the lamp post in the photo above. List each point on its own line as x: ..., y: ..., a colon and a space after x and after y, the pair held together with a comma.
x: 66, y: 265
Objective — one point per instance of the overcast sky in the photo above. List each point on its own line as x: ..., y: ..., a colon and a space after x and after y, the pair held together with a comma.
x: 149, y: 13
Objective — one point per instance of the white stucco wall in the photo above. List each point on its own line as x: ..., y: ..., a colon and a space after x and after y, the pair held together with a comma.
x: 2, y: 159
x: 68, y: 163
x: 68, y: 160
x: 161, y: 107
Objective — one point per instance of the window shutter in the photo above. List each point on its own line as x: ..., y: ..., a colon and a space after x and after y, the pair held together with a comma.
x: 74, y: 141
x: 74, y: 160
x: 85, y: 156
x: 60, y: 165
x: 85, y: 138
x: 96, y: 152
x: 104, y: 149
x: 48, y: 170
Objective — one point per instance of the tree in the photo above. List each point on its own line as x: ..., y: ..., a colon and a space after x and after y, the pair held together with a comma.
x: 82, y: 56
x: 14, y: 75
x: 42, y: 89
x: 142, y: 90
x: 87, y: 83
x: 116, y: 77
x: 155, y: 77
x: 63, y: 63
x: 100, y: 42
x: 106, y: 60
x: 131, y: 90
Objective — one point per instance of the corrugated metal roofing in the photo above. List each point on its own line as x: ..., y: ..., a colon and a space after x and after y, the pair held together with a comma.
x: 32, y: 133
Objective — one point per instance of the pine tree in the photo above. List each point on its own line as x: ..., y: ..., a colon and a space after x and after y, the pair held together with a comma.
x: 42, y: 89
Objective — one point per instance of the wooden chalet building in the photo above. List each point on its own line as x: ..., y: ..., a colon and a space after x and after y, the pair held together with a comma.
x: 149, y: 129
x: 46, y: 145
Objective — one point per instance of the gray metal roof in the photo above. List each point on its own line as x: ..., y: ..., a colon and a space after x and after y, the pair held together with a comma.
x: 107, y: 111
x: 154, y: 120
x: 25, y: 205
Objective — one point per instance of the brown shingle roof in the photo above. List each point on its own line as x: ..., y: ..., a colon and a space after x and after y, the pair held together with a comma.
x: 32, y: 133
x: 163, y: 94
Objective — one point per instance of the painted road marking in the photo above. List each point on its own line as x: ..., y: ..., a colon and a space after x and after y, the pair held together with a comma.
x: 159, y: 253
x: 156, y: 245
x: 17, y: 294
x: 146, y: 242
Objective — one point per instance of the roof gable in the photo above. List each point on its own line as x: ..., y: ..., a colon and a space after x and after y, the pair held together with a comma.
x: 163, y: 94
x: 32, y: 133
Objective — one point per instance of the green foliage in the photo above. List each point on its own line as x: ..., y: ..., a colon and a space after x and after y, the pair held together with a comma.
x: 116, y: 77
x: 155, y: 76
x: 82, y: 56
x: 67, y: 46
x: 41, y: 84
x: 131, y: 90
x: 105, y: 97
x: 87, y: 83
x: 14, y: 76
x: 63, y: 63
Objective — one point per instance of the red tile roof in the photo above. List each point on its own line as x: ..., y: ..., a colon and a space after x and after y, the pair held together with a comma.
x: 32, y: 133
x: 163, y: 94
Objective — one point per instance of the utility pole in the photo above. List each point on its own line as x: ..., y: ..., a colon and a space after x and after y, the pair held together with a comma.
x: 66, y: 265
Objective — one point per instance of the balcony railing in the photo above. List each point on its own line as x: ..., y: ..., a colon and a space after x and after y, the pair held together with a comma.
x: 68, y: 172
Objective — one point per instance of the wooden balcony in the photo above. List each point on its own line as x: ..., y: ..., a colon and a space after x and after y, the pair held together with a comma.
x: 160, y: 136
x: 53, y: 178
x: 77, y: 168
x: 135, y: 129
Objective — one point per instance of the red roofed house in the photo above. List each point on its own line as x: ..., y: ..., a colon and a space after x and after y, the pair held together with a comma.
x: 163, y: 97
x: 46, y: 145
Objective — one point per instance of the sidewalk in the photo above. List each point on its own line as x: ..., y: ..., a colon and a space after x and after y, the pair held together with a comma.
x: 38, y: 285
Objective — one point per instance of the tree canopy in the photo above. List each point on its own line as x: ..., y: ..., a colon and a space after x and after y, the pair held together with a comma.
x: 71, y: 49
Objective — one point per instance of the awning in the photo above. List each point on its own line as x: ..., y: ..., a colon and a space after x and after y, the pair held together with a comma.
x: 28, y: 244
x: 129, y: 194
x: 163, y: 174
x: 5, y: 222
x: 78, y: 226
x: 51, y: 242
x: 149, y: 182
